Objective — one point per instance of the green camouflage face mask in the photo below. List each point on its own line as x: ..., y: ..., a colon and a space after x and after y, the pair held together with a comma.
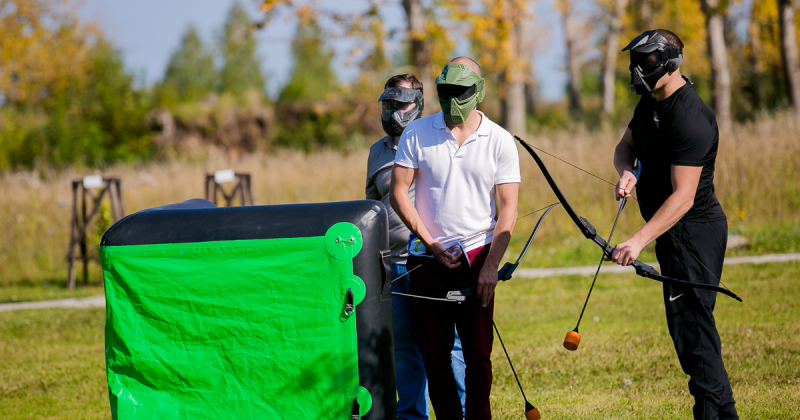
x: 460, y: 90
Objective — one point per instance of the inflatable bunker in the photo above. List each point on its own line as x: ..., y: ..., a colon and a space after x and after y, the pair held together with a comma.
x: 268, y: 312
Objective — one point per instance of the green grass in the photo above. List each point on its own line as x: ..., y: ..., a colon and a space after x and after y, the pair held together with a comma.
x: 760, y: 340
x: 52, y: 366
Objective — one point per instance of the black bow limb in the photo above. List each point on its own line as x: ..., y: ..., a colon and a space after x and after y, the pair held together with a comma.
x: 589, y: 232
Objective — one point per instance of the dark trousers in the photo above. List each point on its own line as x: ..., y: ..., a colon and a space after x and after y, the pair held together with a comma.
x: 435, y: 334
x: 690, y: 316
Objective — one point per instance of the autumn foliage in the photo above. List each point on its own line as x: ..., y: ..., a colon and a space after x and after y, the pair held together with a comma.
x: 66, y: 98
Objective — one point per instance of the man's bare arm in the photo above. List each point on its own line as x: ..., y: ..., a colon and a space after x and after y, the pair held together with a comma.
x: 402, y: 178
x: 684, y: 185
x: 623, y: 162
x: 507, y: 196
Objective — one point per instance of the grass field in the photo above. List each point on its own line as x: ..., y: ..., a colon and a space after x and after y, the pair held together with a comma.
x: 52, y: 361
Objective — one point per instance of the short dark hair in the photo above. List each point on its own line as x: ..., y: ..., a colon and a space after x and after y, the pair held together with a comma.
x: 395, y: 81
x: 670, y: 37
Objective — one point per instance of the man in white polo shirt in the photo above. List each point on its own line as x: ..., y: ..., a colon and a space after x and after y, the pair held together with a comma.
x: 462, y: 164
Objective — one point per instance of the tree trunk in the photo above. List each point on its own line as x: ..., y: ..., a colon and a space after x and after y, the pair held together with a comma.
x: 646, y: 13
x: 758, y: 66
x: 420, y: 50
x: 715, y: 26
x: 514, y: 107
x: 531, y: 89
x: 791, y: 67
x: 514, y: 101
x: 573, y: 65
x: 612, y: 51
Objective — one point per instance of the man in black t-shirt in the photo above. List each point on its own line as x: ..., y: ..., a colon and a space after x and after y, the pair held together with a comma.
x: 673, y: 137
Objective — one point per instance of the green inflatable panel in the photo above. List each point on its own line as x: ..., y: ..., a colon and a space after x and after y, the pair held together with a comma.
x: 246, y: 329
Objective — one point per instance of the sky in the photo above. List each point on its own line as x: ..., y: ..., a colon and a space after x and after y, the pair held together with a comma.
x: 148, y: 31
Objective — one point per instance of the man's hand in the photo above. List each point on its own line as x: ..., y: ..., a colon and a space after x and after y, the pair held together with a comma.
x: 625, y: 184
x: 447, y: 257
x: 487, y: 281
x: 627, y: 252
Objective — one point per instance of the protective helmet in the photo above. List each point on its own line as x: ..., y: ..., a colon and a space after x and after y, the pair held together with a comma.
x: 394, y: 100
x: 652, y: 56
x: 460, y: 90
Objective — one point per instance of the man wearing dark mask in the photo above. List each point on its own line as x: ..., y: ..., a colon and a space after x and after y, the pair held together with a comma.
x: 401, y: 103
x: 673, y: 137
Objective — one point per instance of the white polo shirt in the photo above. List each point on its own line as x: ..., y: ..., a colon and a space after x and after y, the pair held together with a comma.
x: 455, y: 186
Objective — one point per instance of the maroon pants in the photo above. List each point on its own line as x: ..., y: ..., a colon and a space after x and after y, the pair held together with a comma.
x: 435, y: 334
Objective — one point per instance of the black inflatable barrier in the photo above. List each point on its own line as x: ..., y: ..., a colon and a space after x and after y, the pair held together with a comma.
x: 199, y: 220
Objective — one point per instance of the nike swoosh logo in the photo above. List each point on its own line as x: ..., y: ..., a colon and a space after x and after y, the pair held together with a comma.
x: 673, y: 298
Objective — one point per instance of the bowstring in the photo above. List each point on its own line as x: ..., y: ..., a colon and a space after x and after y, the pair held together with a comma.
x: 637, y: 202
x: 474, y: 235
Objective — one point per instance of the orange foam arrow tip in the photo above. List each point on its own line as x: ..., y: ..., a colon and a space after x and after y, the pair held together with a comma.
x: 533, y: 414
x: 572, y: 340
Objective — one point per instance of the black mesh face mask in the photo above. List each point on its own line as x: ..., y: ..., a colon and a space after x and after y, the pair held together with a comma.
x: 652, y: 56
x: 395, y: 112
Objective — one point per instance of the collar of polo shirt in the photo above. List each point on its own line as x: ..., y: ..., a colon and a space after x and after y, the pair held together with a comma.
x: 483, y: 129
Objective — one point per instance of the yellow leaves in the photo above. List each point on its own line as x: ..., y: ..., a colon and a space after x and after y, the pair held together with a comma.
x: 765, y: 25
x: 563, y: 6
x: 441, y: 45
x: 270, y: 6
x: 306, y: 14
x: 683, y: 17
x: 495, y: 34
x: 43, y: 47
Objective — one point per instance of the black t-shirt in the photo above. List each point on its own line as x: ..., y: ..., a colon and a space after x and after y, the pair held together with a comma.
x: 680, y: 130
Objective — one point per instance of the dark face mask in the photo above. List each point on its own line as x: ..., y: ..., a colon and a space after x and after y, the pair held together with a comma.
x: 645, y: 72
x: 651, y: 58
x: 395, y: 116
x: 395, y: 112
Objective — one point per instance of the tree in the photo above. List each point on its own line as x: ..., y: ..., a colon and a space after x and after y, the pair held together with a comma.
x: 241, y: 68
x: 419, y: 46
x: 430, y: 45
x: 573, y: 56
x: 683, y: 17
x: 43, y: 45
x: 190, y: 73
x: 499, y: 44
x: 715, y: 11
x: 67, y: 95
x: 789, y: 52
x: 514, y: 102
x: 312, y: 76
x: 615, y: 15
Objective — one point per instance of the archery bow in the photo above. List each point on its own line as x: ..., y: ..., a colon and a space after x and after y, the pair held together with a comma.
x: 642, y: 269
x: 505, y: 273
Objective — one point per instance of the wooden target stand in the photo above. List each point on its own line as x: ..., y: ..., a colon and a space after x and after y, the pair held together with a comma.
x: 241, y: 188
x: 90, y: 203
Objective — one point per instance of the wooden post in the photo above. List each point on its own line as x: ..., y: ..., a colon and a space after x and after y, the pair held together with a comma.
x: 81, y: 220
x: 83, y: 237
x: 72, y: 237
x: 241, y: 188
